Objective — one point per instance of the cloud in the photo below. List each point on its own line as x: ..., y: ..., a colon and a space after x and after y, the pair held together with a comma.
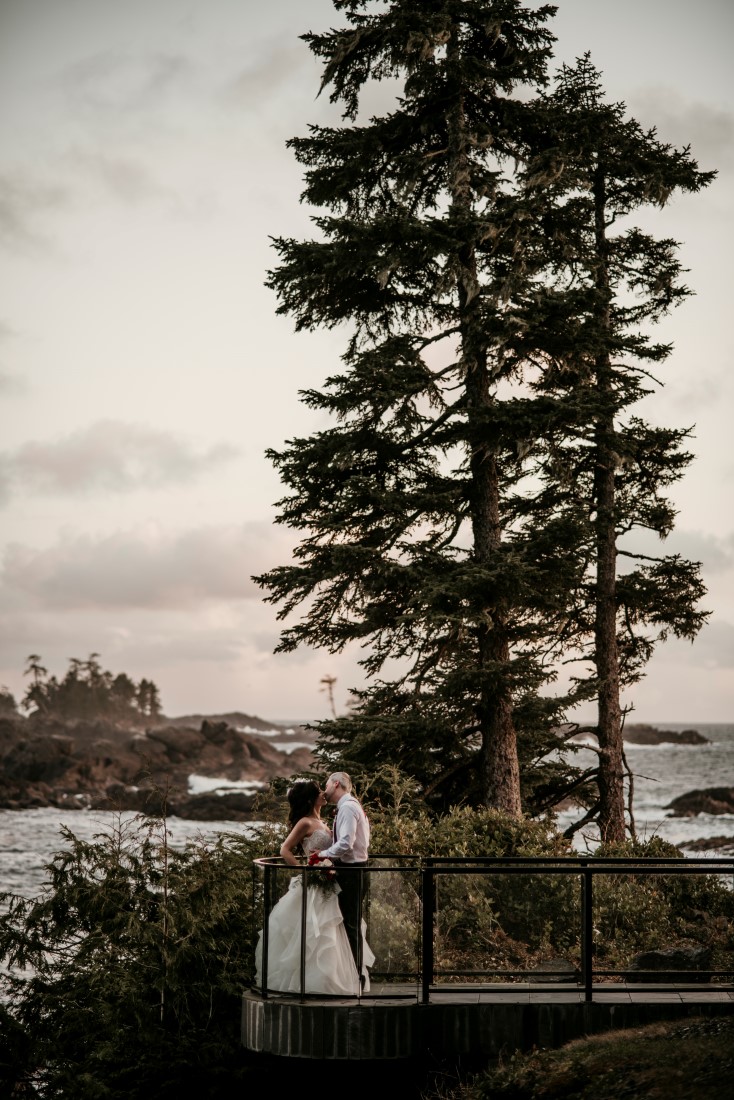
x: 715, y: 554
x: 145, y: 568
x: 708, y: 129
x: 268, y: 73
x: 716, y: 644
x: 706, y: 392
x: 712, y: 649
x: 114, y: 82
x: 211, y: 659
x: 11, y: 384
x: 108, y: 456
x: 121, y: 177
x: 22, y: 200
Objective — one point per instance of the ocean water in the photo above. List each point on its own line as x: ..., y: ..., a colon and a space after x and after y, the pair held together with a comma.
x: 662, y: 773
x: 29, y: 838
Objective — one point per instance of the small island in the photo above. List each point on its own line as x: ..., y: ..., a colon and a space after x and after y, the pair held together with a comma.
x: 643, y: 734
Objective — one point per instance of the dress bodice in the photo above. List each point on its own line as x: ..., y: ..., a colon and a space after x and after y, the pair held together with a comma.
x: 317, y: 841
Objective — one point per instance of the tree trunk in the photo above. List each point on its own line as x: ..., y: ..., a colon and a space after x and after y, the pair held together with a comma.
x: 500, y: 772
x: 611, y: 784
x: 611, y: 774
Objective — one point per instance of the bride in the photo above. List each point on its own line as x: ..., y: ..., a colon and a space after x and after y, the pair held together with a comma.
x: 330, y: 966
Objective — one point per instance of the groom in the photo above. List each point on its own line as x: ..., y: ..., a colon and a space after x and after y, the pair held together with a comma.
x: 349, y: 853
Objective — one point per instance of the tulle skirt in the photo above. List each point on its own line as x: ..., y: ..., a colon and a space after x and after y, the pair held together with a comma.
x: 330, y: 966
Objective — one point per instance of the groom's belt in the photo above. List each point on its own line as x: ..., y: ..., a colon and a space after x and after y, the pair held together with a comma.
x: 343, y: 863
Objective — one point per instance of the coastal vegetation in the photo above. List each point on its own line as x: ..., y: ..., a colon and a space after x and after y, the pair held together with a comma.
x: 124, y: 977
x: 88, y: 691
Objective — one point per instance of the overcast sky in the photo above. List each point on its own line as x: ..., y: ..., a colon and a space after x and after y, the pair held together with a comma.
x: 143, y: 372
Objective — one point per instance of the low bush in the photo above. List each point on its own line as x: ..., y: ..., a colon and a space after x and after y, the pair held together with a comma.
x: 123, y: 979
x: 682, y: 1060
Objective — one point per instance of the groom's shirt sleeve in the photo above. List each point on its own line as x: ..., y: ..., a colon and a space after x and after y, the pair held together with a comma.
x: 348, y: 817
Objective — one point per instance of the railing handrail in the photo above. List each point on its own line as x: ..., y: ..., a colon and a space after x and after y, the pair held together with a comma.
x: 466, y: 864
x: 430, y: 868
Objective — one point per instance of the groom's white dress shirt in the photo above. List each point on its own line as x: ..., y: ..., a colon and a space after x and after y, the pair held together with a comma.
x: 351, y: 832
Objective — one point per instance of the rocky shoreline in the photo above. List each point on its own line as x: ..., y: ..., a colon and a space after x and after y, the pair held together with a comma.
x: 722, y: 844
x: 47, y: 762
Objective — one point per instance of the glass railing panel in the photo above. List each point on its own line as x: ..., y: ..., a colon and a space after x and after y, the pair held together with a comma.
x: 670, y: 928
x: 393, y: 921
x: 496, y: 927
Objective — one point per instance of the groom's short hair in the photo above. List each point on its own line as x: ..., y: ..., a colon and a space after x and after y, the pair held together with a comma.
x: 343, y: 780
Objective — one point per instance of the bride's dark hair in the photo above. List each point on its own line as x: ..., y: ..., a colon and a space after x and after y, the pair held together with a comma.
x: 301, y: 799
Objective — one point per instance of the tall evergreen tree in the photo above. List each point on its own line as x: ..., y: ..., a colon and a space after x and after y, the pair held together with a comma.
x: 36, y: 693
x: 602, y: 282
x: 413, y: 543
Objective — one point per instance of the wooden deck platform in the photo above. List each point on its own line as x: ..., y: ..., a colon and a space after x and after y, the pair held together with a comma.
x: 472, y: 1019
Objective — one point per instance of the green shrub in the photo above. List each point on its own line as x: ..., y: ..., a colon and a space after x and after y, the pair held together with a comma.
x: 482, y: 921
x: 124, y: 976
x: 634, y: 913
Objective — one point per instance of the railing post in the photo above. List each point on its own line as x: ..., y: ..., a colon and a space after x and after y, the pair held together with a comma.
x: 267, y: 897
x: 428, y: 900
x: 360, y: 960
x: 304, y: 901
x: 587, y: 933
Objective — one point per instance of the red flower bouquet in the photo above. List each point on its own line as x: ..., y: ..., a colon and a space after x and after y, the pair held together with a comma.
x: 325, y: 879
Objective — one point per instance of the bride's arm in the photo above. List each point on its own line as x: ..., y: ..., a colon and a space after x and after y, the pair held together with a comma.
x: 297, y: 834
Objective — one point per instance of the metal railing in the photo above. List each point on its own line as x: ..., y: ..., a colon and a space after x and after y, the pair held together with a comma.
x: 431, y: 870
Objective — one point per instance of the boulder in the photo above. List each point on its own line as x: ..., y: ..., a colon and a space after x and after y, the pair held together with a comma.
x: 710, y: 800
x: 301, y: 760
x: 216, y: 732
x: 180, y: 744
x: 555, y: 970
x: 231, y: 806
x: 672, y: 965
x: 39, y: 759
x: 146, y: 748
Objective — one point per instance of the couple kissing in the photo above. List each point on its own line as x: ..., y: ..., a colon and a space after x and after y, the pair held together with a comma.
x: 334, y: 939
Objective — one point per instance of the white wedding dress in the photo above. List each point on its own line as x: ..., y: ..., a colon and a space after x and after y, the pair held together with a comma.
x: 330, y: 966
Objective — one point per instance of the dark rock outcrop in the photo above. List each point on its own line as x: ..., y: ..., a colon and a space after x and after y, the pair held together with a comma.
x: 666, y: 965
x: 723, y: 844
x: 49, y: 762
x: 642, y: 734
x: 228, y: 806
x: 711, y: 800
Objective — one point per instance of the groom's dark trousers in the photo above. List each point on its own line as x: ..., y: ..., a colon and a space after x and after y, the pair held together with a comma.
x: 352, y: 881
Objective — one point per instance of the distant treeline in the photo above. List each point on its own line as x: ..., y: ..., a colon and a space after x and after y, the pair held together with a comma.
x: 86, y: 691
